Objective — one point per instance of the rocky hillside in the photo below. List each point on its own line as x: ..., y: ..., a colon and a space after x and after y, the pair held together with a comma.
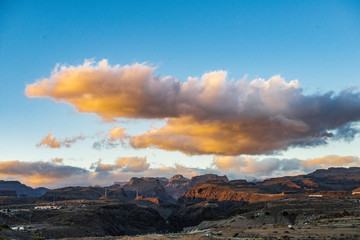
x: 147, y: 187
x: 225, y: 192
x: 332, y: 182
x: 332, y: 179
x: 88, y: 193
x: 207, y: 177
x: 98, y: 220
x: 337, y: 178
x: 178, y: 184
x: 21, y: 189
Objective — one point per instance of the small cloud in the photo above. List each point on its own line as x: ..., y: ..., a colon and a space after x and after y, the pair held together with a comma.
x: 116, y: 134
x: 52, y: 142
x: 57, y: 161
x: 114, y: 137
x: 124, y: 164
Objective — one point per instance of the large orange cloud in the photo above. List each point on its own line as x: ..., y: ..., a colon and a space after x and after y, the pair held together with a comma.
x: 205, y: 115
x: 192, y: 136
x: 110, y: 92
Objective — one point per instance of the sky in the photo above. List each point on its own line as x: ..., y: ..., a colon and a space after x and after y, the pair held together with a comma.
x: 99, y: 91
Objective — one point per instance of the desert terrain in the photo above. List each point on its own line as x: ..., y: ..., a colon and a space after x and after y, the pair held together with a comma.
x: 320, y: 205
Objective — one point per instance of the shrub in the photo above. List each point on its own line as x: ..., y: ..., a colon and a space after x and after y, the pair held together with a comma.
x: 4, y: 226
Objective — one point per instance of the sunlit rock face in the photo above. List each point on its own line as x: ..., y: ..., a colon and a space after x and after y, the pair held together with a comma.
x: 178, y: 184
x: 331, y: 182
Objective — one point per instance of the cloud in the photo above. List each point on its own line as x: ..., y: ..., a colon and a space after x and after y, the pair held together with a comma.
x: 248, y: 167
x: 331, y: 161
x: 125, y: 168
x: 52, y: 142
x: 55, y: 174
x: 207, y: 115
x: 125, y: 164
x: 109, y: 175
x: 108, y: 91
x: 42, y: 173
x: 114, y: 137
x: 57, y: 161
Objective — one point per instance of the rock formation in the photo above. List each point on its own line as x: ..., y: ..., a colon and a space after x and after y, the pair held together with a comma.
x: 147, y: 187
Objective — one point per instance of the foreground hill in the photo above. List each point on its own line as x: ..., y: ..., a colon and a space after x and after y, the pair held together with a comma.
x: 95, y: 220
x: 88, y: 193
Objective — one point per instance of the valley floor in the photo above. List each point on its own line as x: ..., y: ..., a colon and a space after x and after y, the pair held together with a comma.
x: 290, y: 218
x: 334, y: 228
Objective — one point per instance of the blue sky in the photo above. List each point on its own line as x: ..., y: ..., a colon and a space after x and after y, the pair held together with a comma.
x: 315, y: 42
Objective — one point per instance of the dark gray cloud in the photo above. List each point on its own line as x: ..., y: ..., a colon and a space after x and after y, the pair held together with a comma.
x: 45, y: 169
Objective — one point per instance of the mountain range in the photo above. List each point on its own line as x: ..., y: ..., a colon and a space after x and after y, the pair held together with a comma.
x: 203, y: 187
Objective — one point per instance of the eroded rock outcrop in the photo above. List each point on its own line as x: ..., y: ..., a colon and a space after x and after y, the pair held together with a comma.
x: 225, y: 193
x: 147, y: 187
x: 178, y: 184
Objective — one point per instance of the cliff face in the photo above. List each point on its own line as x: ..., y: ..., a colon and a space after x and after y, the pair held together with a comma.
x: 225, y: 193
x: 147, y: 187
x: 166, y: 189
x: 21, y: 189
x: 178, y: 184
x: 332, y: 179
